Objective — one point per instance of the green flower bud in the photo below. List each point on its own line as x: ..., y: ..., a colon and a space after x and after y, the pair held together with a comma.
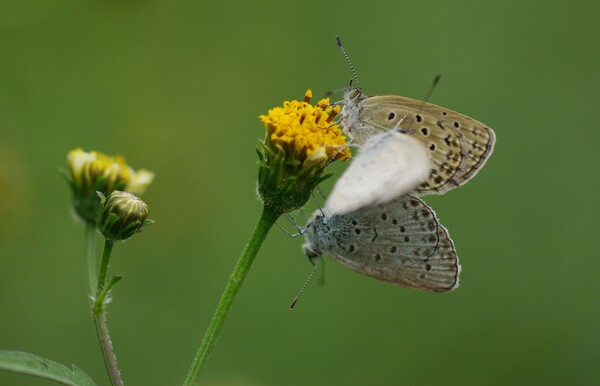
x: 122, y: 215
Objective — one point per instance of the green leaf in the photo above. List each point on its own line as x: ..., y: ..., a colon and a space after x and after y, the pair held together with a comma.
x: 102, y: 197
x: 29, y: 364
x: 260, y: 154
x: 148, y: 222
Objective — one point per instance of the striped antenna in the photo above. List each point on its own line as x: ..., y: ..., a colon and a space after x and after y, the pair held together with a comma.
x: 312, y: 274
x: 339, y: 43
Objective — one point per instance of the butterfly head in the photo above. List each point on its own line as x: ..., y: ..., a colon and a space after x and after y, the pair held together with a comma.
x: 352, y: 94
x: 314, y: 235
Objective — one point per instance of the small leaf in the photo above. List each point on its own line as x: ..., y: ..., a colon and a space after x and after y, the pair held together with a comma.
x: 102, y: 197
x: 29, y: 364
x: 148, y: 222
x: 260, y: 154
x: 113, y: 280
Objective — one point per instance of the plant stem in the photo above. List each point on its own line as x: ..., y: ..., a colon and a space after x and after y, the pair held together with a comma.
x: 110, y: 360
x: 90, y: 257
x: 108, y: 246
x: 267, y: 219
x: 100, y: 321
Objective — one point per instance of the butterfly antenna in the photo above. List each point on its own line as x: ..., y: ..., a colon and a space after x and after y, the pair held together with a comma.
x: 322, y: 277
x: 436, y: 80
x: 339, y: 43
x: 312, y: 274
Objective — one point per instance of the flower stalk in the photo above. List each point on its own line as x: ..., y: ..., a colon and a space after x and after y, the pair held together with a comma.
x: 90, y: 258
x: 300, y: 142
x: 240, y: 271
x: 100, y: 320
x: 110, y: 359
x: 108, y: 247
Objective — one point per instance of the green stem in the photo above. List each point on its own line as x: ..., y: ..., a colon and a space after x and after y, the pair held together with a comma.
x: 100, y: 321
x: 108, y: 246
x: 90, y: 257
x: 267, y: 219
x: 110, y: 360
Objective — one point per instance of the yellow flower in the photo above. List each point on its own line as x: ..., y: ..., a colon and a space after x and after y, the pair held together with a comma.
x: 95, y: 171
x: 307, y: 131
x: 301, y: 140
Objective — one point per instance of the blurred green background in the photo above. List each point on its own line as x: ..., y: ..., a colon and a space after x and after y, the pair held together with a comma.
x: 177, y: 88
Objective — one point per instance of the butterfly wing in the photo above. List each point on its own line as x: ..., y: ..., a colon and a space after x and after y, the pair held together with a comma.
x: 401, y: 243
x: 458, y: 145
x: 387, y: 166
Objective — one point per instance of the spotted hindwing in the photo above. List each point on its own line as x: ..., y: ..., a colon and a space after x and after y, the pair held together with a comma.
x: 401, y: 242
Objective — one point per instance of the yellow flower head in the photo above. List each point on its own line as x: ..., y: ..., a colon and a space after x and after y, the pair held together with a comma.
x: 301, y: 140
x: 305, y: 131
x: 95, y: 171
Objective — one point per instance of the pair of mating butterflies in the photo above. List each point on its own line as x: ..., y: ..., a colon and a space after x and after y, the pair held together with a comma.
x: 370, y: 223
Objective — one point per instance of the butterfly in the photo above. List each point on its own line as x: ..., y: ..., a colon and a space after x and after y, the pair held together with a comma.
x: 458, y: 145
x: 401, y: 242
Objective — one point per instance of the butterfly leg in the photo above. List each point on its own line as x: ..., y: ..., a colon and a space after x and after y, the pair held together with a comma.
x: 300, y: 229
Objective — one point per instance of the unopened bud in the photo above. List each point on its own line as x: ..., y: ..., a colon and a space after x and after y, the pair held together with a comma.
x: 123, y: 214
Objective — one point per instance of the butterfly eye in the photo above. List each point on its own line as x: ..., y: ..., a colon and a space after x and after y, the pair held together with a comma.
x: 354, y: 93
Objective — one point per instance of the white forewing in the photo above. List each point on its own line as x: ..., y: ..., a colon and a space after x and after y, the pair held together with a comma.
x: 389, y: 165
